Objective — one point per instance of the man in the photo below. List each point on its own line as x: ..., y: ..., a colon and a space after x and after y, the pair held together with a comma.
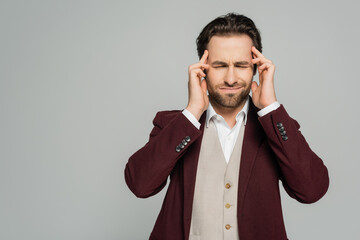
x: 226, y: 151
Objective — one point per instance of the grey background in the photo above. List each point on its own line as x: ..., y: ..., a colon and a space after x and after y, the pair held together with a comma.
x: 81, y: 81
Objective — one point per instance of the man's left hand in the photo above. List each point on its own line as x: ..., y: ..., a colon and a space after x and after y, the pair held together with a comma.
x: 264, y: 93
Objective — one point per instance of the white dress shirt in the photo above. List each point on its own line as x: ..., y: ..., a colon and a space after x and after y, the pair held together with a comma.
x: 227, y: 136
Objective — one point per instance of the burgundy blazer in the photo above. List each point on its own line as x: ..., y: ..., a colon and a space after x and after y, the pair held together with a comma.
x: 273, y: 149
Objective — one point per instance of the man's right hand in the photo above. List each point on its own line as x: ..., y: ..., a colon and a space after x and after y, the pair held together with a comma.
x: 198, y: 99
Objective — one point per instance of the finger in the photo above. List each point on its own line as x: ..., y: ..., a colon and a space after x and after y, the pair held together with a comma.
x: 254, y: 86
x: 265, y: 66
x: 257, y: 52
x: 199, y: 72
x: 199, y: 65
x: 204, y: 56
x: 260, y: 60
x: 203, y: 86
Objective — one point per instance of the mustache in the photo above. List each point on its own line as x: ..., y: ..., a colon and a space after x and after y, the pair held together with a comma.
x: 235, y: 85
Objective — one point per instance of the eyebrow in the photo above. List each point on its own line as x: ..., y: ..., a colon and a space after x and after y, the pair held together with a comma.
x: 217, y: 62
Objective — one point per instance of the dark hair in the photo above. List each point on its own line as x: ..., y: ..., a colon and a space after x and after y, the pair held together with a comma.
x: 229, y: 25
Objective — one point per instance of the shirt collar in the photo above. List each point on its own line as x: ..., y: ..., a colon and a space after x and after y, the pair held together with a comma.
x: 210, y: 113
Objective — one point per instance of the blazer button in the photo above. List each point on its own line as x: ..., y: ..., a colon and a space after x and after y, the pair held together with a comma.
x: 281, y: 129
x: 279, y: 124
x: 178, y: 149
x: 187, y: 138
x: 285, y: 137
x: 181, y: 145
x: 184, y: 142
x: 283, y: 133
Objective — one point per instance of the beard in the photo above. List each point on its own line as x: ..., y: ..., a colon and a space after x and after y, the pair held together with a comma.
x: 229, y: 100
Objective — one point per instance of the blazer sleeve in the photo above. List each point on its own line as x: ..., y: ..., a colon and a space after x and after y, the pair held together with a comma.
x: 303, y: 174
x: 147, y: 170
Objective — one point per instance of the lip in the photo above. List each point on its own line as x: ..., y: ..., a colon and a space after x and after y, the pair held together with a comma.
x: 230, y: 89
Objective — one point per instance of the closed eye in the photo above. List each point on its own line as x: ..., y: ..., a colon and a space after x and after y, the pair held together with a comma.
x: 225, y: 66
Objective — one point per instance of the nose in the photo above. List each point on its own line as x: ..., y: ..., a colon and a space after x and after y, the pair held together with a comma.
x: 230, y: 78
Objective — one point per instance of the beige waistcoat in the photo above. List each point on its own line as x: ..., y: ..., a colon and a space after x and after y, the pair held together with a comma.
x: 214, y: 212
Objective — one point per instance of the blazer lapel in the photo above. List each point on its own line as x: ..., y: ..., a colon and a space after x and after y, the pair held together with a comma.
x: 253, y: 137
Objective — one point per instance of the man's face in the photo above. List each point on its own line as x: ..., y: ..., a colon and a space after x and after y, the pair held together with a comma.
x: 230, y: 73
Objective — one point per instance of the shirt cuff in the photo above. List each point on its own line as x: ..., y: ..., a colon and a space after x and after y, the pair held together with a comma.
x: 191, y: 118
x: 268, y: 109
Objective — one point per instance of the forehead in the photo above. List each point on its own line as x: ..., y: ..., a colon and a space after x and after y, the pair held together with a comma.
x: 230, y: 47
